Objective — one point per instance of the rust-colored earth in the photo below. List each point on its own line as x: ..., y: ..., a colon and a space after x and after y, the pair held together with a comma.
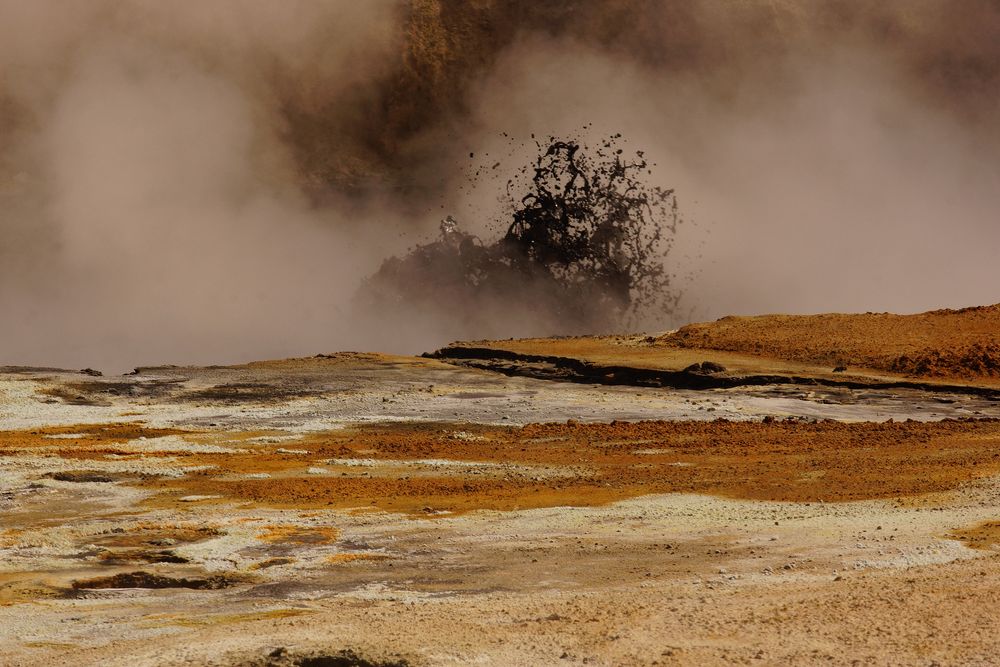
x: 417, y: 468
x: 943, y: 347
x: 941, y: 343
x: 589, y: 464
x: 984, y: 536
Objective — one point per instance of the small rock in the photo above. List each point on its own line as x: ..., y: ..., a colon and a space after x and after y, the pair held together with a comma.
x: 163, y: 542
x: 705, y: 368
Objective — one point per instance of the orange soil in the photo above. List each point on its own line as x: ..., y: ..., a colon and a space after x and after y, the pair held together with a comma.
x: 943, y: 343
x: 18, y: 587
x: 983, y: 536
x: 600, y: 463
x: 91, y: 435
x: 559, y: 464
x: 300, y: 534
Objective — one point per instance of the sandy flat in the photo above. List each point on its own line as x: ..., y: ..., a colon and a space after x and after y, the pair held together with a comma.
x: 393, y: 510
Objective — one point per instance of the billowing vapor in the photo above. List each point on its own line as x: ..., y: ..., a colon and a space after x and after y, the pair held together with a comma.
x: 210, y: 182
x: 152, y: 209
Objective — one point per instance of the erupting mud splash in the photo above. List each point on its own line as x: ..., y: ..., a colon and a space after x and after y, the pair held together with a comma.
x: 585, y: 250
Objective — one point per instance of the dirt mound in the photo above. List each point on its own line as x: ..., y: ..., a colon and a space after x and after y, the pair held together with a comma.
x: 942, y: 343
x: 976, y: 360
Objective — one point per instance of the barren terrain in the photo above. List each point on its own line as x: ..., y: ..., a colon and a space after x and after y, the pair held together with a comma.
x: 943, y: 343
x: 935, y: 349
x: 559, y: 501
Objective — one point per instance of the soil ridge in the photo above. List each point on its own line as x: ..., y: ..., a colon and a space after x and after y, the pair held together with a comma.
x: 568, y: 369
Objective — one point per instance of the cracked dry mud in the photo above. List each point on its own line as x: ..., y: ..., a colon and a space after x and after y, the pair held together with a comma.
x: 361, y: 509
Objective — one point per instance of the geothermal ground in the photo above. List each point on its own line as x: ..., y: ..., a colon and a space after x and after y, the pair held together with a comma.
x: 606, y: 501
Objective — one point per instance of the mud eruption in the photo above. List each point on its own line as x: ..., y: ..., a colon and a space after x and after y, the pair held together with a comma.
x: 584, y: 249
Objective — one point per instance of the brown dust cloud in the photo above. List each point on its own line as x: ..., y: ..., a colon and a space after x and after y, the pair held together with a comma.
x: 211, y: 182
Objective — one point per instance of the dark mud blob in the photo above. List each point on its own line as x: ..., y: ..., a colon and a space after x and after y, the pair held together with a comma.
x: 248, y: 392
x: 99, y: 393
x: 123, y: 557
x: 583, y: 250
x: 281, y: 657
x: 148, y: 580
x: 82, y: 476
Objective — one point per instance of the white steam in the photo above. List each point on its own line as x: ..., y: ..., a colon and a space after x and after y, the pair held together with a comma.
x: 154, y: 215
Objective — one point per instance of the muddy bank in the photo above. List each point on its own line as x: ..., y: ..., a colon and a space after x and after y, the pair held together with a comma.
x: 698, y: 375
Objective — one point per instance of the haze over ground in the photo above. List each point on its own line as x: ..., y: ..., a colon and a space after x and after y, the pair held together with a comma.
x: 210, y: 183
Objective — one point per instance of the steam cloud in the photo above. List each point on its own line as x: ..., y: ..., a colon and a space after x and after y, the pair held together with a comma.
x: 209, y: 183
x: 152, y: 210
